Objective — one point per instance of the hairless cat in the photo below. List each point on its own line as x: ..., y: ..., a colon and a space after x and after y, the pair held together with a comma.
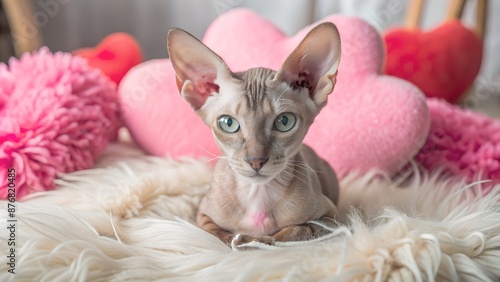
x: 267, y: 186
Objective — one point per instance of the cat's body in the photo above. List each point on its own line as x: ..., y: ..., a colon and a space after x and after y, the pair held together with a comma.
x: 295, y: 196
x: 266, y: 185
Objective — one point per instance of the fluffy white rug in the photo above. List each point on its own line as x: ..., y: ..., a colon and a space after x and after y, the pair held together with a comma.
x: 130, y: 219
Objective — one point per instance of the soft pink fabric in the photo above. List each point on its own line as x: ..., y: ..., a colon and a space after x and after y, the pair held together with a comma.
x: 462, y: 143
x: 371, y: 120
x: 56, y: 115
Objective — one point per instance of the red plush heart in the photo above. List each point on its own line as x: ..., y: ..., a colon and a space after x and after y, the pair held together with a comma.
x: 115, y: 55
x: 443, y: 62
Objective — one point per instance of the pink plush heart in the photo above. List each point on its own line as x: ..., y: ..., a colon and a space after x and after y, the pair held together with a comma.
x: 371, y: 120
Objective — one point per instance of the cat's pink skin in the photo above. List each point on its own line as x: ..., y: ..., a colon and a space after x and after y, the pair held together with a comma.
x: 258, y: 218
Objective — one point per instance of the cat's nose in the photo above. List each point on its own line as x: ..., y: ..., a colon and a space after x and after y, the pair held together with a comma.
x: 257, y: 163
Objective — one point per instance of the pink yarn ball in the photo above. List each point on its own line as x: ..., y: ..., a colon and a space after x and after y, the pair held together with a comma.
x: 57, y: 115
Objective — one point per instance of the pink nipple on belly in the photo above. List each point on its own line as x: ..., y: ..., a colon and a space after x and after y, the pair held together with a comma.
x: 258, y: 218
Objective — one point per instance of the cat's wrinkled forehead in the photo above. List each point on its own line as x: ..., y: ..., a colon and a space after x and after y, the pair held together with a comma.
x: 258, y: 91
x: 254, y: 85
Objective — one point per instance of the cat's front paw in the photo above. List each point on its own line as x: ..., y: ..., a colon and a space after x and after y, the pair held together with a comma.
x: 243, y: 242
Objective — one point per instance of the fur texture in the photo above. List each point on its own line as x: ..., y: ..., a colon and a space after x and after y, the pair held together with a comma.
x: 131, y: 219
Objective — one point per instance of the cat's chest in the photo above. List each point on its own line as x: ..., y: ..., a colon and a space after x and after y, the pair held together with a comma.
x: 259, y: 204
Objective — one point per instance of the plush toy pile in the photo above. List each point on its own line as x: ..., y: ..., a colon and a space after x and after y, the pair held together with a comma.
x: 372, y: 121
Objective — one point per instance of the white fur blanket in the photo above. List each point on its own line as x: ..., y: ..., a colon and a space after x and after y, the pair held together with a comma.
x: 130, y: 219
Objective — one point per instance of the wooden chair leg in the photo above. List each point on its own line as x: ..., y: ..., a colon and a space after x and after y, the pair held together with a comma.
x: 25, y: 34
x: 414, y: 14
x: 6, y: 47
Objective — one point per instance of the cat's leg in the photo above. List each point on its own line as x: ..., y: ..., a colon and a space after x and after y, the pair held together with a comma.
x: 305, y: 231
x: 205, y: 222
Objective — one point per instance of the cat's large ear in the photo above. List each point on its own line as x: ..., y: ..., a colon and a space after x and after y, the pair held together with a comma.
x: 314, y: 63
x: 196, y: 67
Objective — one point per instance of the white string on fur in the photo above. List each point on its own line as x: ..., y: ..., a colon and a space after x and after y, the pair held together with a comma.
x: 334, y: 234
x: 234, y: 245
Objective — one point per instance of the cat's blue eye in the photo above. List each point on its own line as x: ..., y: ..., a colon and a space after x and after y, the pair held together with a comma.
x: 229, y: 124
x: 285, y: 122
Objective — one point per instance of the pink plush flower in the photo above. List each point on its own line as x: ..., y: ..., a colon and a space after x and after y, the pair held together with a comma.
x: 462, y: 143
x: 57, y: 115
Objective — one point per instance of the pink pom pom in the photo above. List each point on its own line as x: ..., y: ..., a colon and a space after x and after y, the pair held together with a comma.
x: 57, y: 115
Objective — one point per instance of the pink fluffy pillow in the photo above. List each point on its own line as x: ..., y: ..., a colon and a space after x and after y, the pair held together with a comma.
x: 57, y: 115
